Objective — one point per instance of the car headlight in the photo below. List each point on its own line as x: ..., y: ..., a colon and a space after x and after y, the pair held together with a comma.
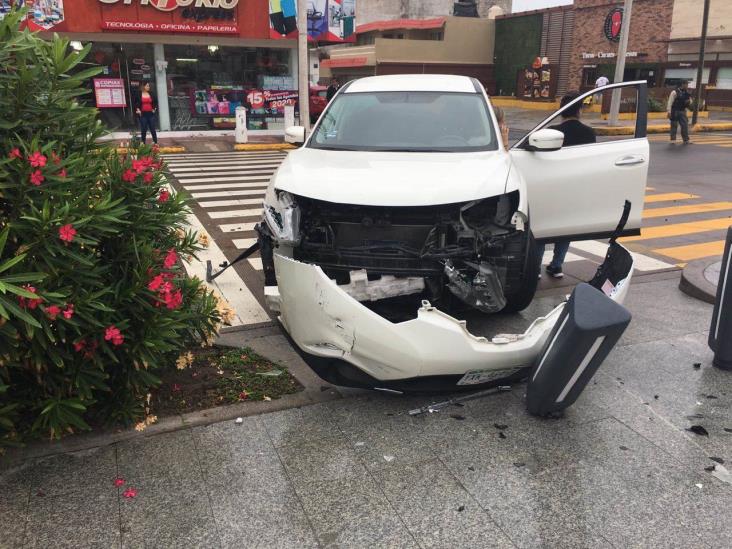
x: 282, y: 216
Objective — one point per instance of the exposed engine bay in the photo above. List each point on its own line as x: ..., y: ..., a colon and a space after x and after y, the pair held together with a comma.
x: 476, y: 252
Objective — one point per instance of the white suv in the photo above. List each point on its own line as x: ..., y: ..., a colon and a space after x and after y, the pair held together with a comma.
x: 404, y: 188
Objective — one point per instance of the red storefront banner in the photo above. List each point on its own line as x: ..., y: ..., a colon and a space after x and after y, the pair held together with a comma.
x: 182, y: 27
x: 109, y: 92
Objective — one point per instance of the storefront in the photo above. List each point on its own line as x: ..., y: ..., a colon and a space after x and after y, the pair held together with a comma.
x: 202, y: 58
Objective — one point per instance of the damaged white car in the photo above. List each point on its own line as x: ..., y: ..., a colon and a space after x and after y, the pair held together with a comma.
x: 404, y: 193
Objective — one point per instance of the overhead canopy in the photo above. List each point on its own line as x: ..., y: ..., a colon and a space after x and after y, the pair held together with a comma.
x: 401, y: 24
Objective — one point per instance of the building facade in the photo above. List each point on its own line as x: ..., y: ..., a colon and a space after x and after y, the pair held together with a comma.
x: 202, y: 58
x: 368, y: 11
x: 448, y: 45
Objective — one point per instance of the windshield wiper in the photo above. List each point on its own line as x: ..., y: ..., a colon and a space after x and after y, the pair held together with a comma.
x: 327, y: 148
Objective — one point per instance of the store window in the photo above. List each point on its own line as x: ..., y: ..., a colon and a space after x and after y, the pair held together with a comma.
x: 133, y: 65
x: 724, y: 78
x: 207, y: 83
x: 674, y: 77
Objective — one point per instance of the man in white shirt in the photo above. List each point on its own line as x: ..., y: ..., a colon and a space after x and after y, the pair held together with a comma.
x: 600, y: 82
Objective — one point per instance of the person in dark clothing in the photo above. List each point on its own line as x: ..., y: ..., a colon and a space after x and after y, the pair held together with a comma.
x: 332, y: 89
x: 145, y: 107
x: 678, y: 102
x: 575, y: 133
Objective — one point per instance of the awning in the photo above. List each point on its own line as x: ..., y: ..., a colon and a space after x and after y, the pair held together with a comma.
x: 345, y: 62
x: 401, y: 24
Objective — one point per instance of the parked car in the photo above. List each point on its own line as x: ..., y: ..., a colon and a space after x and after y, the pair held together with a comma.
x: 318, y: 102
x: 404, y: 188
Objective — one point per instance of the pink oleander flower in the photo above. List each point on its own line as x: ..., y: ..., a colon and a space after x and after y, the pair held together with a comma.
x: 155, y: 283
x: 119, y: 481
x: 173, y: 300
x: 147, y: 177
x: 67, y: 233
x: 170, y: 259
x: 69, y: 311
x: 36, y: 178
x: 29, y: 302
x: 113, y: 334
x: 80, y: 345
x: 37, y: 160
x: 129, y: 493
x: 56, y: 158
x: 164, y: 196
x: 62, y: 173
x: 53, y: 311
x: 129, y: 176
x: 15, y: 153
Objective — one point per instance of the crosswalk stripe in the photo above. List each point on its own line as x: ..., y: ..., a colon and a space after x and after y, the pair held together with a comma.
x: 223, y: 179
x: 243, y: 243
x: 228, y: 168
x: 549, y: 255
x: 221, y: 203
x: 650, y: 213
x: 237, y: 227
x: 690, y: 252
x: 230, y: 154
x: 184, y: 160
x: 256, y: 263
x: 256, y: 192
x: 227, y: 186
x: 235, y: 213
x: 680, y: 229
x: 641, y: 262
x: 663, y: 197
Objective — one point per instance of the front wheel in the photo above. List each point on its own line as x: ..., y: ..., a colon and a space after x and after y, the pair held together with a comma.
x: 524, y: 295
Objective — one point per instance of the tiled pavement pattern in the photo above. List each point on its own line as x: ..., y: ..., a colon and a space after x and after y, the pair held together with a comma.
x: 228, y: 189
x: 618, y: 471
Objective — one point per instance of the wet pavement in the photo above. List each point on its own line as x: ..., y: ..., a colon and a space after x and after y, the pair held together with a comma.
x: 619, y: 470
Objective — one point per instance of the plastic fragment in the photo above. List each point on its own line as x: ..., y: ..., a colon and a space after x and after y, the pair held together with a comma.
x: 717, y: 459
x: 710, y: 468
x: 500, y: 426
x: 712, y: 397
x: 239, y: 420
x: 461, y: 508
x: 624, y: 448
x: 471, y: 468
x: 727, y: 430
x: 457, y: 416
x: 697, y: 365
x: 360, y: 443
x: 389, y: 459
x: 699, y: 486
x: 519, y: 464
x: 501, y: 435
x: 271, y: 373
x: 698, y: 430
x: 655, y: 397
x: 720, y: 472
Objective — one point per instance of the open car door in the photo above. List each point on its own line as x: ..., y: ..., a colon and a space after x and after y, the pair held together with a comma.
x: 579, y: 192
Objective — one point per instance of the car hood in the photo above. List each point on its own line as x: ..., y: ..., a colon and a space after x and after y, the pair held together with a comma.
x: 393, y: 178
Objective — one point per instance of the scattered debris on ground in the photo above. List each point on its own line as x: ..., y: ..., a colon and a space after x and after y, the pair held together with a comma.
x: 217, y: 376
x: 720, y: 472
x: 697, y: 365
x: 698, y: 430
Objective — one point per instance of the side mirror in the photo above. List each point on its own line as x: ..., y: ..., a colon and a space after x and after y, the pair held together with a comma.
x: 295, y: 134
x: 546, y: 140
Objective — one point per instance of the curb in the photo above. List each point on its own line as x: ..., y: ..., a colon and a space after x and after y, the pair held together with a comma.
x: 662, y: 128
x: 263, y: 146
x: 163, y: 150
x: 693, y: 282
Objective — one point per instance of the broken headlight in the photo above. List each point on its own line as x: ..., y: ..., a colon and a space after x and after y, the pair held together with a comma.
x: 282, y: 215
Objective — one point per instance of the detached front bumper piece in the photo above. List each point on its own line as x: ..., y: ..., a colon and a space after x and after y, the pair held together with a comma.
x: 348, y: 344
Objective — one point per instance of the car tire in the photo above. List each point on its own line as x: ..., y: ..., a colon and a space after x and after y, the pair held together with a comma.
x: 521, y: 299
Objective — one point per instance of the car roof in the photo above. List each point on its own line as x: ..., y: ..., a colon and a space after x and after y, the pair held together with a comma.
x: 413, y: 82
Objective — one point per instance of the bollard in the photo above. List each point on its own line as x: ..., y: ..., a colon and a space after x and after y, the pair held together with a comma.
x: 289, y: 116
x: 240, y: 134
x: 586, y: 331
x: 720, y: 332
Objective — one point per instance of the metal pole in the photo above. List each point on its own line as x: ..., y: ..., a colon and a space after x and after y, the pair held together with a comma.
x: 720, y: 331
x: 161, y: 87
x: 620, y: 64
x: 302, y: 64
x: 700, y: 68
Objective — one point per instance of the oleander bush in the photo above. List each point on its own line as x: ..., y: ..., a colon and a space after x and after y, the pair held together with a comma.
x: 94, y: 301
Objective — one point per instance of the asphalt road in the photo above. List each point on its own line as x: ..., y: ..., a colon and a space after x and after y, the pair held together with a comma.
x: 688, y: 209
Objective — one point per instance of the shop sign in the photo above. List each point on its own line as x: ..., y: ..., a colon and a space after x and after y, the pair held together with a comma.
x: 170, y: 5
x: 109, y: 92
x: 610, y: 54
x: 613, y: 24
x: 221, y: 101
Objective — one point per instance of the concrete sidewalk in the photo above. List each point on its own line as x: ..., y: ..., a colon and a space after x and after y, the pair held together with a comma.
x: 619, y: 470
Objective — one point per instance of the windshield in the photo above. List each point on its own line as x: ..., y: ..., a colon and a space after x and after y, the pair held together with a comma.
x: 406, y: 121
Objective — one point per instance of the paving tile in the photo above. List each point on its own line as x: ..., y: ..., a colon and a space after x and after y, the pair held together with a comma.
x: 87, y: 472
x: 437, y: 510
x: 76, y: 519
x: 264, y: 518
x: 169, y: 458
x: 353, y: 513
x: 299, y: 425
x: 165, y: 515
x: 14, y: 506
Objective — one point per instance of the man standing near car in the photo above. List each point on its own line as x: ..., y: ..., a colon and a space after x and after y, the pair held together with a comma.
x: 678, y: 102
x: 575, y: 133
x: 332, y: 89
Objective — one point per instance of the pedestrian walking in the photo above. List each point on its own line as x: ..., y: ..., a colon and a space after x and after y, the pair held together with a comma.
x: 678, y: 101
x: 575, y: 133
x: 599, y: 83
x: 145, y: 107
x: 332, y: 89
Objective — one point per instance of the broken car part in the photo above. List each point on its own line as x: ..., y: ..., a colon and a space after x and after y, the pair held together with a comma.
x: 588, y: 328
x: 210, y: 275
x: 472, y: 396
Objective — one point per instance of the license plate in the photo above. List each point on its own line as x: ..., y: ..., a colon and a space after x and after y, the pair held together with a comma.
x: 476, y: 377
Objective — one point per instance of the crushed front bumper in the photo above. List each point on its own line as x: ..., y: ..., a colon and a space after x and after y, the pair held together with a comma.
x: 333, y: 331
